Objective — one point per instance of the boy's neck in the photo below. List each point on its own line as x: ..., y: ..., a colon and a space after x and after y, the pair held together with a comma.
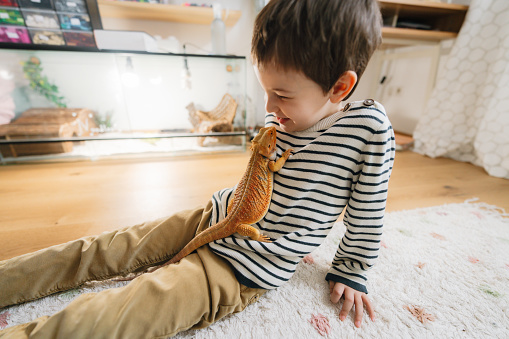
x: 333, y: 108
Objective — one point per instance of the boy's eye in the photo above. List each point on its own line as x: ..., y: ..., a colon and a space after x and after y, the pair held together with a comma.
x: 281, y: 97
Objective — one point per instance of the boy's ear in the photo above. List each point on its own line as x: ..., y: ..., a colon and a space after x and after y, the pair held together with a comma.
x: 343, y: 86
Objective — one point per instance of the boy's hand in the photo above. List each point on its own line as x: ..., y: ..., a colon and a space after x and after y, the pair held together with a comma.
x: 351, y: 297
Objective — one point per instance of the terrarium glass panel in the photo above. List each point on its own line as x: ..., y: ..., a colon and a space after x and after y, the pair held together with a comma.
x: 94, y: 104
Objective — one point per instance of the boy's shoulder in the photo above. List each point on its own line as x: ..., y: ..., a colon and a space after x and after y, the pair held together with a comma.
x: 367, y: 105
x: 373, y: 112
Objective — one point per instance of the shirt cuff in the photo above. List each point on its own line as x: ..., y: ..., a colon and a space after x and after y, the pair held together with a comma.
x: 349, y: 283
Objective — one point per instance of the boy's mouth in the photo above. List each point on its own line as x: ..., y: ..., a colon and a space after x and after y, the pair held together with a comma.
x: 282, y: 121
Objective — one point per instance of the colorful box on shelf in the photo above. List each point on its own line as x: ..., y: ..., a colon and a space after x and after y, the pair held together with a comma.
x: 47, y: 37
x: 9, y: 3
x: 75, y: 21
x: 14, y: 34
x: 38, y: 4
x: 40, y: 19
x: 79, y: 39
x: 71, y: 6
x: 11, y: 17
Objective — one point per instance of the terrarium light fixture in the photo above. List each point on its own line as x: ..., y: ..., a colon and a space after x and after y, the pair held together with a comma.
x: 186, y: 74
x: 129, y: 77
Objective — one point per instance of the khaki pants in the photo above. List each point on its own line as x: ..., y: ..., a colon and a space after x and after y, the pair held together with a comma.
x: 191, y: 294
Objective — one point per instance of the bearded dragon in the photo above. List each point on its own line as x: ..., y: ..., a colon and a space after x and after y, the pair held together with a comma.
x: 252, y: 196
x: 250, y: 201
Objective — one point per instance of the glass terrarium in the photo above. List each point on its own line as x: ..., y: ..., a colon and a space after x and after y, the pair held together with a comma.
x: 58, y: 104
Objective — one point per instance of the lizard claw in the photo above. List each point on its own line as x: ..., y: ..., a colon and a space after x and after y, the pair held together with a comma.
x: 264, y: 238
x: 287, y: 153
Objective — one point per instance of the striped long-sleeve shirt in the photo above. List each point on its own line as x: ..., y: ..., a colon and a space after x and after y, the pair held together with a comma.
x: 345, y: 160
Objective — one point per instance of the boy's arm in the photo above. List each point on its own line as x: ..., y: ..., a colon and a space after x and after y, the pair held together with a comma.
x: 359, y: 247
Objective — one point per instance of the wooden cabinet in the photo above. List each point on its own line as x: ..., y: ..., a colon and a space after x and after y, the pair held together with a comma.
x: 421, y: 20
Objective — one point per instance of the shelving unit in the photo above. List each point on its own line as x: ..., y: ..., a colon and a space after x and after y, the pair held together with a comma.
x: 444, y: 20
x: 416, y: 34
x: 161, y: 12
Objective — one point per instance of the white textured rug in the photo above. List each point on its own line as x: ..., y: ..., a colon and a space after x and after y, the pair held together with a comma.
x: 449, y: 264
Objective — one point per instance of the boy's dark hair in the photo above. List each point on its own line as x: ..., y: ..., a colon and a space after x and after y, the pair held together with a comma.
x: 321, y: 38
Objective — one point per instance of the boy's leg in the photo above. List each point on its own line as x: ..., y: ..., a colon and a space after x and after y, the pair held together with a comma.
x: 69, y: 265
x: 194, y: 293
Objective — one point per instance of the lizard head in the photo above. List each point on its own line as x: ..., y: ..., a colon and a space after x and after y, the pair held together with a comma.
x: 265, y: 142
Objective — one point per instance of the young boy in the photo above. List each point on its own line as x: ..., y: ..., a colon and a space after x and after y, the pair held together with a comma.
x: 308, y: 56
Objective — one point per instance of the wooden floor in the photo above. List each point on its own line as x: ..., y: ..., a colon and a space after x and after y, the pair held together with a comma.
x: 47, y: 204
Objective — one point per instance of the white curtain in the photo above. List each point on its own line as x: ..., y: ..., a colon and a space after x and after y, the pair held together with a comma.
x: 467, y: 116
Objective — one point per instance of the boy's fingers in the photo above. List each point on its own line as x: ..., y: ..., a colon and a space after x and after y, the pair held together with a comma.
x: 358, y: 310
x: 369, y: 307
x: 347, y: 304
x: 337, y: 292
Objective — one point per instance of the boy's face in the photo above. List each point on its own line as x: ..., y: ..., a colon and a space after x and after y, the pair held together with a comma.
x: 297, y: 101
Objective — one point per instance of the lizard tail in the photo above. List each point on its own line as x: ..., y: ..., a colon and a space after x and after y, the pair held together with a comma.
x: 210, y: 234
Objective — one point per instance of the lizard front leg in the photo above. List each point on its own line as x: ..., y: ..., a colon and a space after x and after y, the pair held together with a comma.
x: 275, y: 166
x: 249, y: 231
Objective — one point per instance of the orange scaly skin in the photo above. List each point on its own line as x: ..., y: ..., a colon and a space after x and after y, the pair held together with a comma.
x: 251, y: 199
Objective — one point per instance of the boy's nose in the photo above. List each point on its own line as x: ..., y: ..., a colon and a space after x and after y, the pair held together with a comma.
x: 270, y: 106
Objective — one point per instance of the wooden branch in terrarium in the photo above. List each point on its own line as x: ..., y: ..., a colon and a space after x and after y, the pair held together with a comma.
x: 220, y: 119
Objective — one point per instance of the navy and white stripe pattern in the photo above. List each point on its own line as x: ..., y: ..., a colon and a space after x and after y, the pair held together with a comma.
x: 345, y: 160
